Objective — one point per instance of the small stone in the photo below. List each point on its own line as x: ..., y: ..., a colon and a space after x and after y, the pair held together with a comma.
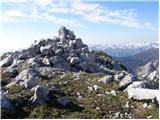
x: 95, y: 87
x: 113, y: 92
x: 117, y: 115
x: 145, y: 105
x: 90, y: 88
x: 148, y: 117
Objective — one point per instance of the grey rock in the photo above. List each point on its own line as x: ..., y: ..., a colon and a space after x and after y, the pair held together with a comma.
x: 128, y: 79
x: 46, y: 61
x: 85, y: 50
x: 64, y: 34
x: 83, y: 66
x: 88, y: 57
x: 106, y: 79
x: 7, y: 61
x: 11, y: 72
x: 136, y: 84
x: 46, y: 50
x: 78, y: 43
x: 23, y: 56
x: 34, y: 50
x: 27, y: 77
x: 5, y: 102
x: 59, y: 52
x: 74, y: 60
x: 119, y: 77
x: 16, y: 63
x: 63, y: 100
x: 55, y: 59
x: 40, y: 95
x: 143, y: 94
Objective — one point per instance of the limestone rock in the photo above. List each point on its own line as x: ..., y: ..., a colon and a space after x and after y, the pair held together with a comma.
x: 46, y: 61
x: 10, y: 72
x: 143, y: 94
x: 64, y: 34
x: 7, y: 61
x: 46, y: 50
x: 27, y: 77
x: 128, y: 79
x: 74, y: 60
x: 106, y: 79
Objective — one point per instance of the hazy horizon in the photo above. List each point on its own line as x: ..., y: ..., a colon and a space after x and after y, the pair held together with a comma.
x: 96, y: 22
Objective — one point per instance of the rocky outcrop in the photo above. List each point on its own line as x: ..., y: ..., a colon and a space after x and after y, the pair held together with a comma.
x: 40, y: 95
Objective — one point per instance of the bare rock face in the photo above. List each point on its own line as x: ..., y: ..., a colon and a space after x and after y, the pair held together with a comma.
x: 40, y: 95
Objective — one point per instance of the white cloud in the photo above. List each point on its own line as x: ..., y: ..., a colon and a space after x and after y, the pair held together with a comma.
x: 51, y: 10
x: 15, y: 13
x: 43, y: 2
x: 14, y: 1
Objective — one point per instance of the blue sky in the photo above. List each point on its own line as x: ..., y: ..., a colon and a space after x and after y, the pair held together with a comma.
x: 96, y: 21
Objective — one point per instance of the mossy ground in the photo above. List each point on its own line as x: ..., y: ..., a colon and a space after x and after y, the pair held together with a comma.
x: 92, y: 104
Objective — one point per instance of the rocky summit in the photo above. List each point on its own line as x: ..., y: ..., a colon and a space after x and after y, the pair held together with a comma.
x: 60, y: 77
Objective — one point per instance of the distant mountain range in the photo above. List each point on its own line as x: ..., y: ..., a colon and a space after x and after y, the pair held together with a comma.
x: 125, y: 50
x: 133, y: 62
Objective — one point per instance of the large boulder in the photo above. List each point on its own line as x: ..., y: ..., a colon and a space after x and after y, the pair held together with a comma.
x: 7, y: 61
x: 40, y: 95
x: 128, y: 79
x: 143, y: 94
x: 27, y: 77
x: 5, y: 102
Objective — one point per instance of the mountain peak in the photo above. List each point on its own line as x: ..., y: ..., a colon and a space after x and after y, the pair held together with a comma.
x: 65, y: 34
